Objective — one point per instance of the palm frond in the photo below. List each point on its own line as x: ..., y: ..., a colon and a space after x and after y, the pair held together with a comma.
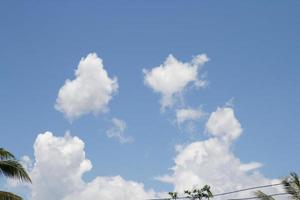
x: 4, y: 154
x: 263, y: 196
x: 8, y: 196
x: 292, y: 185
x: 13, y: 169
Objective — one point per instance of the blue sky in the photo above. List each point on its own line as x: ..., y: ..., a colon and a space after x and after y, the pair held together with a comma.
x: 253, y: 48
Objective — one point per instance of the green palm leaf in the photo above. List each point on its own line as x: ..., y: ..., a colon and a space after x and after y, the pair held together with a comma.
x: 8, y: 196
x: 292, y: 186
x: 4, y: 155
x: 13, y: 169
x: 263, y: 196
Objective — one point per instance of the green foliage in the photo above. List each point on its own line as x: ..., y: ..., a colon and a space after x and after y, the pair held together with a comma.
x: 195, y: 193
x: 11, y: 168
x: 263, y: 196
x: 174, y: 195
x: 4, y: 155
x: 199, y: 193
x: 291, y: 185
x: 9, y: 196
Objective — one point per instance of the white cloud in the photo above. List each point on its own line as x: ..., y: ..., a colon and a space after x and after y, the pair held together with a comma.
x: 187, y: 118
x: 117, y: 131
x: 250, y: 166
x: 26, y: 162
x: 90, y: 91
x: 223, y: 123
x: 60, y: 163
x: 173, y: 76
x: 111, y: 188
x: 188, y: 114
x: 212, y: 161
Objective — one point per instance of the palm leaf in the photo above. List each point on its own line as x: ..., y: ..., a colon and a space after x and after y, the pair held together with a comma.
x: 8, y: 196
x: 292, y: 185
x: 263, y: 196
x: 4, y: 154
x: 13, y: 169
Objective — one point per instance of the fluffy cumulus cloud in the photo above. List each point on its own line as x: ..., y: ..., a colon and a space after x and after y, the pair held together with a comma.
x: 117, y: 131
x: 223, y: 124
x: 60, y: 163
x: 90, y: 91
x: 111, y: 188
x: 212, y: 161
x: 173, y: 76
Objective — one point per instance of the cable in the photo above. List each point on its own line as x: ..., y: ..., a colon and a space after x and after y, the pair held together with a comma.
x: 232, y: 192
x: 271, y: 195
x: 246, y: 189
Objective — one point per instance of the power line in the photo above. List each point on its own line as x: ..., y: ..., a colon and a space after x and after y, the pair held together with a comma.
x: 244, y: 198
x: 246, y: 189
x: 235, y: 191
x: 271, y: 195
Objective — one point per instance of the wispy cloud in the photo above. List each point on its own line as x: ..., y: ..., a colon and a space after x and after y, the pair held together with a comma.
x: 117, y: 130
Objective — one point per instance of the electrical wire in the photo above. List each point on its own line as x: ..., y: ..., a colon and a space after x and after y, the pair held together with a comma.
x: 271, y: 195
x: 246, y: 189
x: 236, y: 191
